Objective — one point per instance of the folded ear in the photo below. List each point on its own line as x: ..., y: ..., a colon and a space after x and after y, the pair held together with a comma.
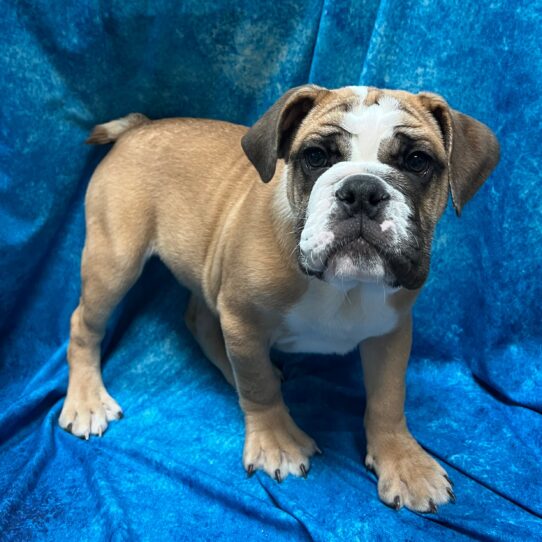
x: 472, y: 149
x: 272, y: 135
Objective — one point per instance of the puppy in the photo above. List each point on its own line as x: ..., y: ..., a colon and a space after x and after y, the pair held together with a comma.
x: 327, y: 254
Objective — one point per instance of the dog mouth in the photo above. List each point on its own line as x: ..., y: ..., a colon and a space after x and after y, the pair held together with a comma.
x: 356, y: 249
x: 368, y: 252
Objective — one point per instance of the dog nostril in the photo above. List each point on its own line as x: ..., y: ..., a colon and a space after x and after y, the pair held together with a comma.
x: 346, y: 195
x: 362, y: 194
x: 377, y: 197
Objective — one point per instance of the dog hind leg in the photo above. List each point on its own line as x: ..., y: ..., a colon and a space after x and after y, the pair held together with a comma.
x: 205, y: 327
x: 107, y: 271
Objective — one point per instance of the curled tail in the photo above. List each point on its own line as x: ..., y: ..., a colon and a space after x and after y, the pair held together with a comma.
x: 111, y: 131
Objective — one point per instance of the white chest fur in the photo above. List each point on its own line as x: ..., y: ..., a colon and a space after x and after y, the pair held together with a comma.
x: 327, y: 320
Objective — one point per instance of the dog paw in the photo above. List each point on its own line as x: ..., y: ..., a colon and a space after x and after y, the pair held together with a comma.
x: 88, y: 413
x: 275, y: 444
x: 407, y: 475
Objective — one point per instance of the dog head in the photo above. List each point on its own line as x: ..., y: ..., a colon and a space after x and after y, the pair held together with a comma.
x: 367, y: 176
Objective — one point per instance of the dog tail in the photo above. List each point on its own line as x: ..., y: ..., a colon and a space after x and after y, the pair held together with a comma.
x: 111, y: 131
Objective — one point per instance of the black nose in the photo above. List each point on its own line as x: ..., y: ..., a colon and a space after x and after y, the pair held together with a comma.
x: 363, y: 193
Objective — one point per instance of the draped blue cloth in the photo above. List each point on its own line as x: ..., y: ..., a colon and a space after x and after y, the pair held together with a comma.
x: 171, y: 469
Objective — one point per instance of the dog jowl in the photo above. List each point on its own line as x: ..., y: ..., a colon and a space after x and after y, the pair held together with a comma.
x: 327, y: 254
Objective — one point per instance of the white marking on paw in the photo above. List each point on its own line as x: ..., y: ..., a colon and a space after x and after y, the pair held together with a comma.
x: 407, y: 475
x: 275, y: 444
x: 88, y: 412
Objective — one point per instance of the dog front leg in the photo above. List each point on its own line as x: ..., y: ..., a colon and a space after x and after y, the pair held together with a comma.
x: 273, y: 442
x: 407, y: 475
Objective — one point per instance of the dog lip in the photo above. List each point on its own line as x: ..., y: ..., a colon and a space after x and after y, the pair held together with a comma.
x: 335, y: 249
x: 306, y: 270
x: 344, y: 243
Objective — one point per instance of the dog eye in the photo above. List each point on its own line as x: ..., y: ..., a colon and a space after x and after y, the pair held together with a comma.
x: 316, y: 157
x: 417, y: 162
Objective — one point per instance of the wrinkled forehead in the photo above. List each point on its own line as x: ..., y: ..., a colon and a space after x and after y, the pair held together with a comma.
x: 370, y: 118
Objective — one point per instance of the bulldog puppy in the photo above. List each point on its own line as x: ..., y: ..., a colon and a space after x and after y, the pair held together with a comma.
x: 327, y: 254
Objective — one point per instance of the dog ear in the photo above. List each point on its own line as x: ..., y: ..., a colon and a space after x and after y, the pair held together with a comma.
x: 472, y: 149
x: 272, y: 135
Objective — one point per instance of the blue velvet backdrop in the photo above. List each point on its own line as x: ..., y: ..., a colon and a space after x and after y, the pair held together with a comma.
x: 171, y: 470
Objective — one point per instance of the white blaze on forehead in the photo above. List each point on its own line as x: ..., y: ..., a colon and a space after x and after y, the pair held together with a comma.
x: 371, y: 124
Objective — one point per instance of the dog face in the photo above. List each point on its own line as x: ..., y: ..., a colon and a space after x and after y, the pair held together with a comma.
x: 368, y: 175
